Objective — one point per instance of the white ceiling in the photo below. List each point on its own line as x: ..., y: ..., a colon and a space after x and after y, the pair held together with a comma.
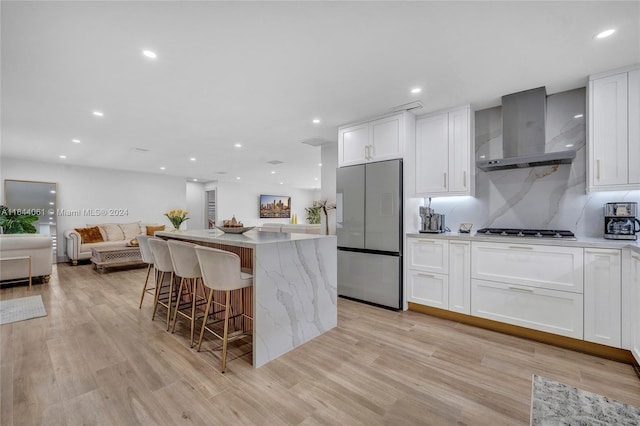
x: 257, y: 73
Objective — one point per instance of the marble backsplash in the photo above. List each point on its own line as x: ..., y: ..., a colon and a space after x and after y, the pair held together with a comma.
x: 552, y: 197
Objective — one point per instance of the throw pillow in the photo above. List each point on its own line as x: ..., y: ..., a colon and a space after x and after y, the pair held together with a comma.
x: 151, y: 230
x: 90, y: 235
x: 130, y: 230
x: 113, y: 231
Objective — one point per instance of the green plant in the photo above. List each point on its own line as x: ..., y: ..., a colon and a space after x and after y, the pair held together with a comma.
x: 313, y: 214
x: 13, y: 222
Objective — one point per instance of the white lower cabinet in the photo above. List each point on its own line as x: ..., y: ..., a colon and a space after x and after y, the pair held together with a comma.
x: 553, y: 311
x: 428, y: 289
x: 439, y: 273
x: 631, y: 300
x: 603, y: 296
x: 460, y: 276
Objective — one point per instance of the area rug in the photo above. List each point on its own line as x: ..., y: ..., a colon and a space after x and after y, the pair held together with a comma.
x: 21, y: 309
x: 554, y: 403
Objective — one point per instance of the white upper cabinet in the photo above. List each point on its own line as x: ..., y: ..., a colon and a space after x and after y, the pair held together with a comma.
x: 443, y: 153
x: 614, y: 138
x: 377, y: 140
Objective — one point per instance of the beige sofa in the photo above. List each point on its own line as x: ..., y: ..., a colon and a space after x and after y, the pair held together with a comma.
x: 113, y: 235
x: 300, y: 228
x: 39, y: 247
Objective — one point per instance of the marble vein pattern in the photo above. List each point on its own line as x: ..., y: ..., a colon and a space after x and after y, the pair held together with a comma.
x: 295, y: 295
x: 551, y: 197
x: 555, y: 403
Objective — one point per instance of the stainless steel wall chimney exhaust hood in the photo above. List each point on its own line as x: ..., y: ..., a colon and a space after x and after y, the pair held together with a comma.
x: 524, y: 116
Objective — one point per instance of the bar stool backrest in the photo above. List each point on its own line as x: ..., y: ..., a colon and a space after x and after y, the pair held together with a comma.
x: 161, y: 255
x: 185, y: 261
x: 220, y: 269
x: 145, y: 250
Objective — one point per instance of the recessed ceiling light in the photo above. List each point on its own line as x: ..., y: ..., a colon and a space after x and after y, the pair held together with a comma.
x: 416, y: 90
x: 75, y: 140
x: 149, y: 54
x: 605, y: 33
x: 192, y: 158
x: 578, y: 116
x: 195, y: 180
x: 98, y: 113
x: 52, y: 191
x: 319, y: 164
x: 281, y: 183
x: 273, y: 172
x: 51, y: 203
x: 238, y: 145
x: 316, y: 121
x: 238, y: 178
x: 50, y: 218
x: 569, y: 145
x: 62, y: 156
x: 163, y: 168
x: 315, y: 178
x: 483, y: 156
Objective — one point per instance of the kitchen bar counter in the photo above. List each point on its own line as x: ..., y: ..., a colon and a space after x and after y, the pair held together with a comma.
x: 295, y: 284
x: 579, y: 242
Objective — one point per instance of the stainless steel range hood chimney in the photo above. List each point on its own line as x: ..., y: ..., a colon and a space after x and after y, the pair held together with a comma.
x: 524, y: 116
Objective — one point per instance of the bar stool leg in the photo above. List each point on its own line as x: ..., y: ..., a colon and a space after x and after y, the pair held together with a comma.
x: 159, y: 281
x: 144, y: 289
x: 204, y: 321
x: 226, y: 330
x: 194, y: 288
x: 175, y: 311
x: 170, y: 300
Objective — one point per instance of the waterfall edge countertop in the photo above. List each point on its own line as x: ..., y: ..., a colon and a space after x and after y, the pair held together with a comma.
x: 294, y: 285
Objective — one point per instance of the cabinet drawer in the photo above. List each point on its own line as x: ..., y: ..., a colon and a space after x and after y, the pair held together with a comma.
x: 428, y: 289
x: 550, y: 267
x: 553, y: 311
x: 429, y: 255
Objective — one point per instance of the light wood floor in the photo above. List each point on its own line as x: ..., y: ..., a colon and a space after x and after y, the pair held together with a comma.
x: 97, y: 359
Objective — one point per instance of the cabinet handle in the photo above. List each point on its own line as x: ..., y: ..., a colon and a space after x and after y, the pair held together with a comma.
x: 426, y: 241
x: 521, y: 247
x: 366, y: 152
x: 598, y: 169
x: 464, y: 179
x: 445, y: 180
x: 524, y: 290
x: 425, y: 275
x: 372, y: 151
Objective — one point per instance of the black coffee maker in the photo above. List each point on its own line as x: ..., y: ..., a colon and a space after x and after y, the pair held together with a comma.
x: 620, y: 221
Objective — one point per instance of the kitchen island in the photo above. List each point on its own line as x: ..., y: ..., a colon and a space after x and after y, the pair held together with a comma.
x: 294, y: 296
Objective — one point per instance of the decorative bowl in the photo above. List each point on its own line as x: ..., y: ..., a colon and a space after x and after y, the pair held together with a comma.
x: 235, y: 230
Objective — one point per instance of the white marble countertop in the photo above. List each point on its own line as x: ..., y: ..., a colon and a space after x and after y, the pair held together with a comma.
x: 579, y: 242
x: 249, y: 239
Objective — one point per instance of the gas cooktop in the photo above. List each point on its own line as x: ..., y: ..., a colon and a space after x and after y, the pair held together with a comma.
x: 532, y: 233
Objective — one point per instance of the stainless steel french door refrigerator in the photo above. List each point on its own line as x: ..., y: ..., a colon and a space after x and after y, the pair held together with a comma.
x: 369, y: 232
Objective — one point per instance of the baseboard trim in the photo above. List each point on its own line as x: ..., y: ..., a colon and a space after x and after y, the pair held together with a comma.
x: 596, y: 349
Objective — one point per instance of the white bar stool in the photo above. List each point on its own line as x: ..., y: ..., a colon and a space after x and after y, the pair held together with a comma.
x: 187, y: 268
x: 221, y: 271
x: 164, y: 265
x: 147, y: 257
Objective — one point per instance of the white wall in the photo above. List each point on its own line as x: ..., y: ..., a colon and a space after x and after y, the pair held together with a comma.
x: 196, y: 206
x: 243, y: 201
x: 142, y: 196
x: 329, y: 155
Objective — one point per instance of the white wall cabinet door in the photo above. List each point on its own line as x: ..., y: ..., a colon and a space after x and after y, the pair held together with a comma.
x: 428, y: 255
x: 635, y: 305
x: 459, y: 151
x: 603, y: 296
x: 634, y: 126
x: 388, y: 140
x: 444, y: 153
x: 460, y: 276
x: 428, y: 289
x: 352, y: 144
x: 432, y: 154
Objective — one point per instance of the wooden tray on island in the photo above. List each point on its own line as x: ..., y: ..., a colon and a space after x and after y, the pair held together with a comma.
x: 235, y: 229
